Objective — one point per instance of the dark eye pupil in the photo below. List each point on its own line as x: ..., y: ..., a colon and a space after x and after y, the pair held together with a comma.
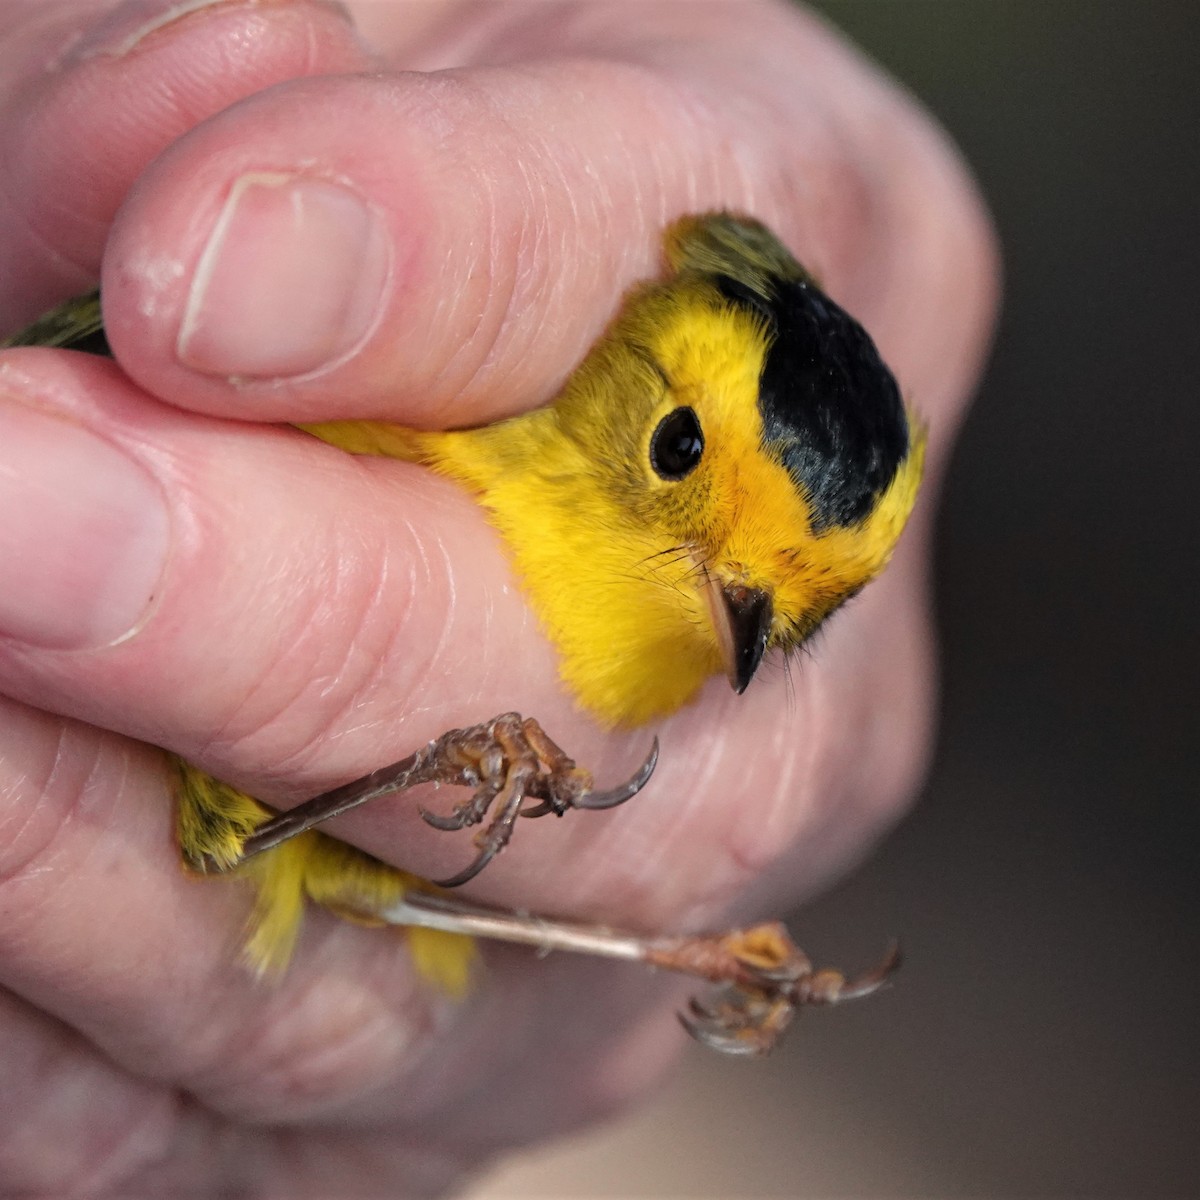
x: 677, y: 444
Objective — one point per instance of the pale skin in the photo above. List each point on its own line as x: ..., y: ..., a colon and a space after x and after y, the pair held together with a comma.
x: 290, y: 617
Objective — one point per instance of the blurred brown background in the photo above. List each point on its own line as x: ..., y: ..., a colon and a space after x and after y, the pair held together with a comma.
x: 1042, y: 1039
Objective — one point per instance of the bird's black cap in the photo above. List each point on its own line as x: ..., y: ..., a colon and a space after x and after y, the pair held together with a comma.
x: 831, y: 410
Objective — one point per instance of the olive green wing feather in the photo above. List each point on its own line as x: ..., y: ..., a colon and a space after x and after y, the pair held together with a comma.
x: 75, y: 325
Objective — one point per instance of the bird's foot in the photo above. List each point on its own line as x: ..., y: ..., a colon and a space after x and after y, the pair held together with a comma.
x: 508, y: 762
x: 764, y: 979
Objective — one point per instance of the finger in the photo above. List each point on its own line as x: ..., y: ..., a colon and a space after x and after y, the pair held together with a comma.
x: 75, y: 1123
x: 103, y: 932
x: 431, y: 249
x: 101, y: 95
x: 192, y: 583
x: 71, y: 1122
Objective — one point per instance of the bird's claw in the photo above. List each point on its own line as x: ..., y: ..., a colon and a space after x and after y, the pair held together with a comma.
x: 627, y: 790
x: 764, y: 980
x: 510, y: 761
x: 738, y: 1021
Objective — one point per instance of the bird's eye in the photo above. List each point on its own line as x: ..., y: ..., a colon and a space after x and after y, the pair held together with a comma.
x: 677, y: 444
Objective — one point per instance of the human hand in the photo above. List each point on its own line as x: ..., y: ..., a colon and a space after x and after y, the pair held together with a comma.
x: 180, y: 573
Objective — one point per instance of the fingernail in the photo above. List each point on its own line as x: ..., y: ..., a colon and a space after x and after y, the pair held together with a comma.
x: 291, y: 281
x: 130, y: 23
x: 83, y: 533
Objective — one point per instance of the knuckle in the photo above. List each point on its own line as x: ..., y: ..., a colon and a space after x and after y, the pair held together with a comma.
x: 324, y: 1039
x: 47, y: 775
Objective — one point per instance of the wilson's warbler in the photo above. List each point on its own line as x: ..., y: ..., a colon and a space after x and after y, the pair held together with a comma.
x: 730, y: 463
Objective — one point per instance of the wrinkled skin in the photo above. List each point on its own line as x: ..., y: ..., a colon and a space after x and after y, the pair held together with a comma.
x: 179, y: 573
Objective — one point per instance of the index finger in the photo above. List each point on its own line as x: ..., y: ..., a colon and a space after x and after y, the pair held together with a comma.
x: 439, y: 249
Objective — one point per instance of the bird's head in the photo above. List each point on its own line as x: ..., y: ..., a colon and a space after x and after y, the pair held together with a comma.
x: 778, y: 462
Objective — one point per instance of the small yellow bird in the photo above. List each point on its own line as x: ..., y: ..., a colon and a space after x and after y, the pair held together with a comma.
x: 729, y: 464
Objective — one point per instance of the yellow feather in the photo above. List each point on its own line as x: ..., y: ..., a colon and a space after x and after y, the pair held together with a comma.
x: 213, y: 821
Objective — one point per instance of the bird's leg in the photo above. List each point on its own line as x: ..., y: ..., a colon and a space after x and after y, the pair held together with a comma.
x: 506, y: 761
x: 763, y: 977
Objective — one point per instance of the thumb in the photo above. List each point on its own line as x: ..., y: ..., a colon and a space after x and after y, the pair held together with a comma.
x: 441, y: 248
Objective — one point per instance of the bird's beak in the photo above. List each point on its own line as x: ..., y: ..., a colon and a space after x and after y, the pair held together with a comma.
x: 741, y: 617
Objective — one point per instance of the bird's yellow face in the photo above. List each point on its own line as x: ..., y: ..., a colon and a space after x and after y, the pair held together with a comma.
x: 777, y: 464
